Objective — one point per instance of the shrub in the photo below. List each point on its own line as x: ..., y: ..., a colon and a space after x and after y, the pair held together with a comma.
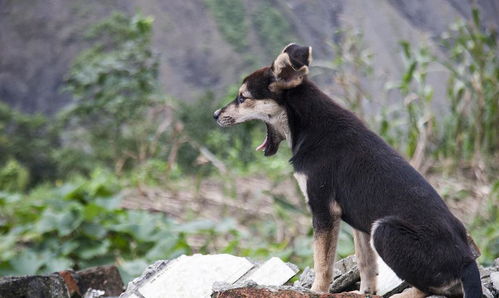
x: 13, y: 177
x: 114, y: 84
x: 28, y: 140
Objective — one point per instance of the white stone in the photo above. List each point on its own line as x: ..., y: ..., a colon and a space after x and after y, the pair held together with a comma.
x: 274, y: 272
x: 387, y: 279
x: 193, y: 276
x: 494, y: 278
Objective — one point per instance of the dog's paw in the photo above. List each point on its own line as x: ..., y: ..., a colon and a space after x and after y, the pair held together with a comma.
x: 320, y: 287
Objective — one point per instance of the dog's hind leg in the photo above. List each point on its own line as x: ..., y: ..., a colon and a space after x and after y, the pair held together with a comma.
x: 325, y: 240
x: 366, y: 260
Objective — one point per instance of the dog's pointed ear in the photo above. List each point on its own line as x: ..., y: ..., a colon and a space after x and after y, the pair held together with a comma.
x: 290, y: 67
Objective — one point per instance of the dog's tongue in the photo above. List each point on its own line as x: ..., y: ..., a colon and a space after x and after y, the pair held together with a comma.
x: 263, y: 145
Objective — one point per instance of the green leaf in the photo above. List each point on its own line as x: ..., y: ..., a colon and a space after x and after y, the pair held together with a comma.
x: 162, y: 249
x: 94, y: 249
x: 406, y: 48
x: 56, y: 264
x: 27, y: 262
x: 93, y: 210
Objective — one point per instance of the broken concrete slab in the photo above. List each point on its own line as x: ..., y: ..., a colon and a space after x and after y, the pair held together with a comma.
x: 494, y: 278
x: 195, y: 276
x: 33, y: 286
x: 273, y: 272
x: 188, y: 276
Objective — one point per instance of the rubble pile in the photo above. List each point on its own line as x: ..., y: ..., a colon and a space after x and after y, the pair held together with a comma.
x: 218, y: 276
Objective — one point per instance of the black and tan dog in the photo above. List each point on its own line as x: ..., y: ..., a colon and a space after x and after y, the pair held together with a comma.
x: 347, y: 172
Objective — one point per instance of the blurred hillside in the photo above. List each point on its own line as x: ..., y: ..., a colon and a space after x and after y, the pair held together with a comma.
x: 208, y: 45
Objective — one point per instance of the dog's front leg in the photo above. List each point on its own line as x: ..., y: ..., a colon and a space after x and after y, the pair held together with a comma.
x: 366, y: 260
x: 325, y: 240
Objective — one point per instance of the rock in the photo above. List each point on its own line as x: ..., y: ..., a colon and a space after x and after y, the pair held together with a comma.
x: 92, y: 293
x: 104, y: 278
x: 494, y: 278
x: 344, y: 265
x: 306, y: 279
x: 487, y: 293
x: 346, y: 281
x: 346, y: 276
x: 35, y: 286
x: 255, y: 291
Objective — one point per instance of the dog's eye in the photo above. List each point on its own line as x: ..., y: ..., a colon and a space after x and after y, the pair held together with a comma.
x: 241, y: 99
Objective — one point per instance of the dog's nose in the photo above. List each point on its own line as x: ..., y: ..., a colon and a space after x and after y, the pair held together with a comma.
x: 216, y: 114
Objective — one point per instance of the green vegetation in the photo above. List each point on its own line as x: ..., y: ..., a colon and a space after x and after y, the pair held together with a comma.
x: 113, y: 84
x: 62, y: 180
x: 272, y: 29
x: 28, y: 140
x: 231, y: 21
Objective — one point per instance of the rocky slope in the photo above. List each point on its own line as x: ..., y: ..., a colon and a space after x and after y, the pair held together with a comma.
x: 39, y: 39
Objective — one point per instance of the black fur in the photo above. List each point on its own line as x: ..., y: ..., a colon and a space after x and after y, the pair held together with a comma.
x: 417, y: 235
x: 378, y: 191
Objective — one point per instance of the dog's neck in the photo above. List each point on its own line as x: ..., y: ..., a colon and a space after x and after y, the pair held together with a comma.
x: 311, y: 114
x: 280, y: 123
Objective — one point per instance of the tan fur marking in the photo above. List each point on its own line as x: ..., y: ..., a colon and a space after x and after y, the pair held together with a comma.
x: 280, y: 63
x: 324, y: 252
x: 335, y: 209
x: 281, y: 85
x: 243, y: 90
x: 366, y: 260
x: 411, y: 293
x: 249, y: 104
x: 302, y: 183
x: 454, y: 288
x: 309, y: 55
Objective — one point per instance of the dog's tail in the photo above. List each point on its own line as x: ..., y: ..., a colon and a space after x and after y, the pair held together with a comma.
x: 472, y: 286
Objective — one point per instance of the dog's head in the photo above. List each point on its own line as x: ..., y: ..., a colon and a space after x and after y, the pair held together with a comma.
x: 260, y: 96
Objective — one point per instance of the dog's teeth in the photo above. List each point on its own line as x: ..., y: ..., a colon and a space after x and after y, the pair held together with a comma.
x: 263, y: 145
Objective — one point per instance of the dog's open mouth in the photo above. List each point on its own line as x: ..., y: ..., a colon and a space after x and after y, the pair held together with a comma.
x: 272, y: 140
